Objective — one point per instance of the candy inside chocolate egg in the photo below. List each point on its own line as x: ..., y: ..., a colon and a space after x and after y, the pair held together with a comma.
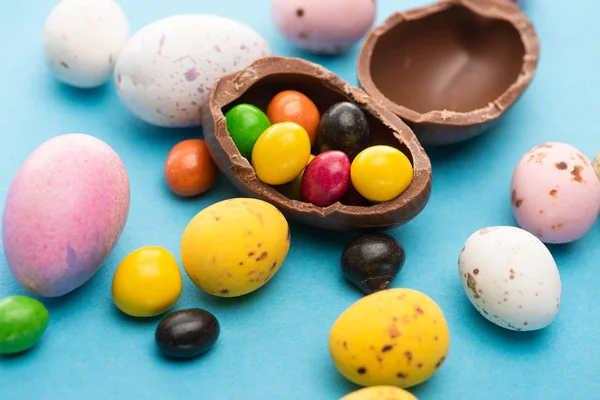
x: 451, y: 69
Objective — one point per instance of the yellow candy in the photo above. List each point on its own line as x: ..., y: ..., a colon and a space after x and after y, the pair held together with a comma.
x: 293, y: 190
x: 235, y: 246
x: 380, y: 393
x: 147, y: 282
x: 281, y: 153
x: 395, y: 337
x: 381, y: 173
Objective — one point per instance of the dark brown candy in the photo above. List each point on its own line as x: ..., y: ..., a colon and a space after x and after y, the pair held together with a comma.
x: 257, y: 84
x: 451, y: 69
x: 343, y: 127
x: 187, y: 333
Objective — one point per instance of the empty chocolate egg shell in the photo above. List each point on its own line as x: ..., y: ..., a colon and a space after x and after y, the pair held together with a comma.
x: 452, y: 69
x: 256, y: 85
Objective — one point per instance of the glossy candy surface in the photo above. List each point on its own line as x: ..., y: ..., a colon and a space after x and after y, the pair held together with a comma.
x: 396, y: 337
x: 326, y: 178
x: 281, y: 153
x: 293, y: 189
x: 293, y: 106
x: 381, y: 173
x: 380, y: 393
x: 189, y: 168
x: 235, y: 246
x: 23, y: 321
x: 344, y: 127
x: 371, y: 261
x: 147, y: 282
x: 187, y: 333
x: 245, y: 124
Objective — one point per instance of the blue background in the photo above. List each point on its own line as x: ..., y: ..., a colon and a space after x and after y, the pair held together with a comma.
x: 274, y: 342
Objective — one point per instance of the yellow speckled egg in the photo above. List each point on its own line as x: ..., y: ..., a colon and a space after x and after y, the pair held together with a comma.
x: 395, y: 337
x: 235, y: 246
x: 380, y: 393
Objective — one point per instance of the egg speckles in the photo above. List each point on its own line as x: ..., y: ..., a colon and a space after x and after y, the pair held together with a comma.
x: 166, y: 71
x: 511, y: 278
x: 555, y: 193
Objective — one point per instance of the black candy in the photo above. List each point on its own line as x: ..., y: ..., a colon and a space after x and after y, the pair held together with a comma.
x: 343, y: 127
x: 371, y: 261
x: 187, y: 333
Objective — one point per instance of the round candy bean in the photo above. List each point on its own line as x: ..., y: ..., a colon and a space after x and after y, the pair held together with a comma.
x: 147, y: 282
x: 293, y: 106
x: 189, y: 168
x: 326, y: 178
x: 245, y: 124
x: 23, y: 321
x: 343, y: 127
x: 293, y: 190
x: 187, y: 333
x: 281, y: 153
x: 381, y: 173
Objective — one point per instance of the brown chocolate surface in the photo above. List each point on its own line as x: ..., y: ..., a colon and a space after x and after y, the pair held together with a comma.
x: 451, y: 69
x: 257, y: 84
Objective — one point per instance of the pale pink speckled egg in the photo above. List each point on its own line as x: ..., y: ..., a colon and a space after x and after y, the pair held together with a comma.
x: 323, y: 26
x: 555, y: 193
x: 64, y: 212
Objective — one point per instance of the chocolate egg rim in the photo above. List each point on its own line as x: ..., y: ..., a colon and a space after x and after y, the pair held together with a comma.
x: 229, y: 88
x: 490, y: 9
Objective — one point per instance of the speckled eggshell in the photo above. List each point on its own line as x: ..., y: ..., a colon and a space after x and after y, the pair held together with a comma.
x: 326, y: 27
x: 64, y: 212
x: 511, y: 278
x: 555, y: 193
x: 166, y: 71
x: 82, y: 39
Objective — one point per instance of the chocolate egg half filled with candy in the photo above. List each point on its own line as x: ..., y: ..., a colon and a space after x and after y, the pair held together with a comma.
x: 257, y: 84
x: 450, y: 70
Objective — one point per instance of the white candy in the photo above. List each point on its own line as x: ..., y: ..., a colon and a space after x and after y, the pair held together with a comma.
x: 82, y: 40
x: 511, y: 278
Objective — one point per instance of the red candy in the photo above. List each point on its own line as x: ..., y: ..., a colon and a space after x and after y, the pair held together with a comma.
x: 326, y: 179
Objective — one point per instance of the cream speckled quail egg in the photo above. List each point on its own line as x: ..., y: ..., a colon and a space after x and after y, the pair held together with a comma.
x: 511, y: 278
x: 82, y: 40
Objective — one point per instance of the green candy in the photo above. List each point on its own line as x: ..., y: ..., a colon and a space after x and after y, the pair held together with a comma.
x: 23, y: 321
x: 245, y: 124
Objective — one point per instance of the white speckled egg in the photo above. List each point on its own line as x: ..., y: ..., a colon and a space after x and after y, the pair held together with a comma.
x: 511, y: 278
x: 82, y: 39
x: 166, y: 71
x: 555, y: 193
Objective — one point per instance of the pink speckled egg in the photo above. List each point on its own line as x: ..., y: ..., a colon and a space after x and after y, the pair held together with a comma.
x: 323, y: 26
x: 64, y: 212
x: 555, y: 193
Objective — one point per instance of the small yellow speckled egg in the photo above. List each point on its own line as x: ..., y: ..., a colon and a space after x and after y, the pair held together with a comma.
x: 235, y: 246
x: 380, y: 393
x: 396, y: 337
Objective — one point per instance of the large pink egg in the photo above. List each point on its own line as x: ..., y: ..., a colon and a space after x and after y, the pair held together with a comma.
x: 64, y: 212
x: 555, y: 193
x: 323, y: 26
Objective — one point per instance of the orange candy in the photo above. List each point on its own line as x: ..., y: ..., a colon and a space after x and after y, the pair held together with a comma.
x: 293, y: 106
x: 189, y: 169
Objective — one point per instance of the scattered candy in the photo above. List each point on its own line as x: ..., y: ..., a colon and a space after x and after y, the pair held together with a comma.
x: 187, y: 333
x: 235, y: 246
x: 23, y: 321
x: 293, y: 190
x: 293, y: 106
x: 71, y: 28
x: 371, y: 261
x: 64, y: 213
x: 381, y: 173
x: 245, y: 124
x: 147, y: 282
x: 396, y: 337
x: 343, y: 127
x: 511, y: 278
x: 326, y: 178
x: 325, y: 27
x: 555, y: 193
x: 281, y: 153
x: 380, y: 393
x: 189, y: 169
